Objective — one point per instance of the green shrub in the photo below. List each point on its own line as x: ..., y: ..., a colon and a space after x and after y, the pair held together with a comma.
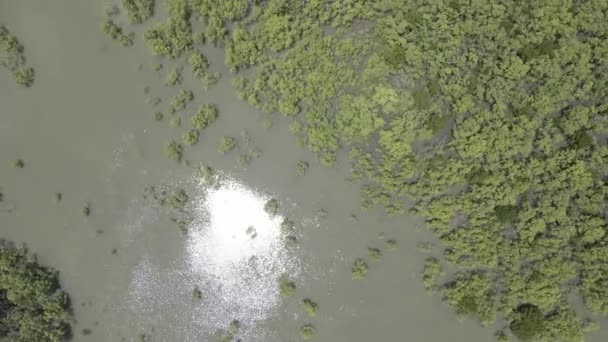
x: 529, y: 323
x: 19, y: 163
x: 374, y: 254
x: 181, y: 99
x: 226, y: 144
x: 391, y: 244
x: 33, y: 306
x: 430, y: 272
x: 24, y: 76
x: 302, y: 167
x: 287, y: 288
x: 197, y: 293
x: 174, y: 151
x: 114, y: 32
x: 272, y: 207
x: 205, y: 116
x: 174, y: 77
x: 138, y: 10
x: 310, y: 307
x: 359, y: 269
x: 191, y: 137
x: 307, y: 331
x: 173, y: 36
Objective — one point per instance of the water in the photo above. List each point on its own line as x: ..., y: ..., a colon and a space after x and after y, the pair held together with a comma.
x: 84, y: 129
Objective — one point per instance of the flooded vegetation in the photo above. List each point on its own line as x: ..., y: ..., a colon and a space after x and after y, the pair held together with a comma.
x: 303, y: 170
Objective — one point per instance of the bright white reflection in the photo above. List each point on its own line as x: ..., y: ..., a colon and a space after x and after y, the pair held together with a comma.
x: 236, y: 251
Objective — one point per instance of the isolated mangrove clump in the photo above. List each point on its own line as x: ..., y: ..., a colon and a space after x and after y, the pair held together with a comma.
x: 115, y: 32
x: 181, y: 99
x: 310, y: 307
x: 33, y: 306
x: 307, y: 331
x: 12, y: 57
x: 191, y: 137
x: 173, y: 36
x: 391, y: 244
x: 226, y: 144
x: 174, y: 151
x: 359, y: 269
x: 272, y: 208
x: 174, y: 77
x: 138, y: 11
x: 430, y: 272
x: 374, y: 254
x: 302, y: 167
x: 205, y: 116
x: 287, y: 288
x: 197, y: 294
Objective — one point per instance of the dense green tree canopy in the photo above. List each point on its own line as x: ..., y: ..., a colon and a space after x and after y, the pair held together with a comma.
x: 32, y: 305
x: 490, y: 114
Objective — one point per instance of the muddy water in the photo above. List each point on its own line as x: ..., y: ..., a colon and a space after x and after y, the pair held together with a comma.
x: 84, y: 129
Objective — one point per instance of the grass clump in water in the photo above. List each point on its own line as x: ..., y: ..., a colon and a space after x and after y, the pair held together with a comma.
x: 272, y: 207
x: 12, y: 58
x: 302, y: 167
x: 19, y: 163
x: 310, y: 307
x: 287, y: 288
x: 226, y: 144
x: 197, y: 293
x: 430, y: 272
x: 174, y: 151
x: 173, y: 36
x: 205, y: 116
x: 138, y: 11
x: 174, y: 77
x: 374, y: 254
x: 359, y: 269
x: 115, y: 32
x: 191, y: 137
x: 181, y: 100
x: 307, y: 331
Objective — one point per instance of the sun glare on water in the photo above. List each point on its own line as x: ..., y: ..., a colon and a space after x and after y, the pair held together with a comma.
x: 234, y: 253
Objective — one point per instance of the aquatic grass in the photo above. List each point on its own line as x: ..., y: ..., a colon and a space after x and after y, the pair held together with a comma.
x: 287, y: 288
x: 310, y: 307
x: 307, y: 331
x: 359, y: 269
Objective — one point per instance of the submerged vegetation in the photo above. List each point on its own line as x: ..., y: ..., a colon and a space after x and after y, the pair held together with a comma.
x: 32, y: 305
x: 287, y: 288
x: 359, y: 269
x: 490, y: 115
x: 138, y: 10
x: 307, y: 331
x: 310, y: 307
x: 12, y: 58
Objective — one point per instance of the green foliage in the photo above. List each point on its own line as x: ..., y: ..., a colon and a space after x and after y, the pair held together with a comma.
x: 174, y: 77
x: 19, y: 163
x: 114, y: 32
x: 174, y: 151
x: 191, y: 137
x: 302, y: 167
x: 272, y: 208
x: 310, y: 307
x: 374, y: 254
x: 138, y: 10
x: 173, y: 36
x: 287, y: 288
x: 391, y: 244
x: 307, y: 331
x: 359, y: 269
x: 178, y: 199
x: 181, y: 99
x: 472, y: 296
x: 529, y: 323
x: 205, y: 116
x: 12, y: 58
x: 158, y: 116
x: 34, y: 308
x: 226, y: 144
x: 430, y: 273
x: 197, y: 294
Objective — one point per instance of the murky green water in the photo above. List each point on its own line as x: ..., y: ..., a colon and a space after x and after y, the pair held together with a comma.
x: 84, y: 129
